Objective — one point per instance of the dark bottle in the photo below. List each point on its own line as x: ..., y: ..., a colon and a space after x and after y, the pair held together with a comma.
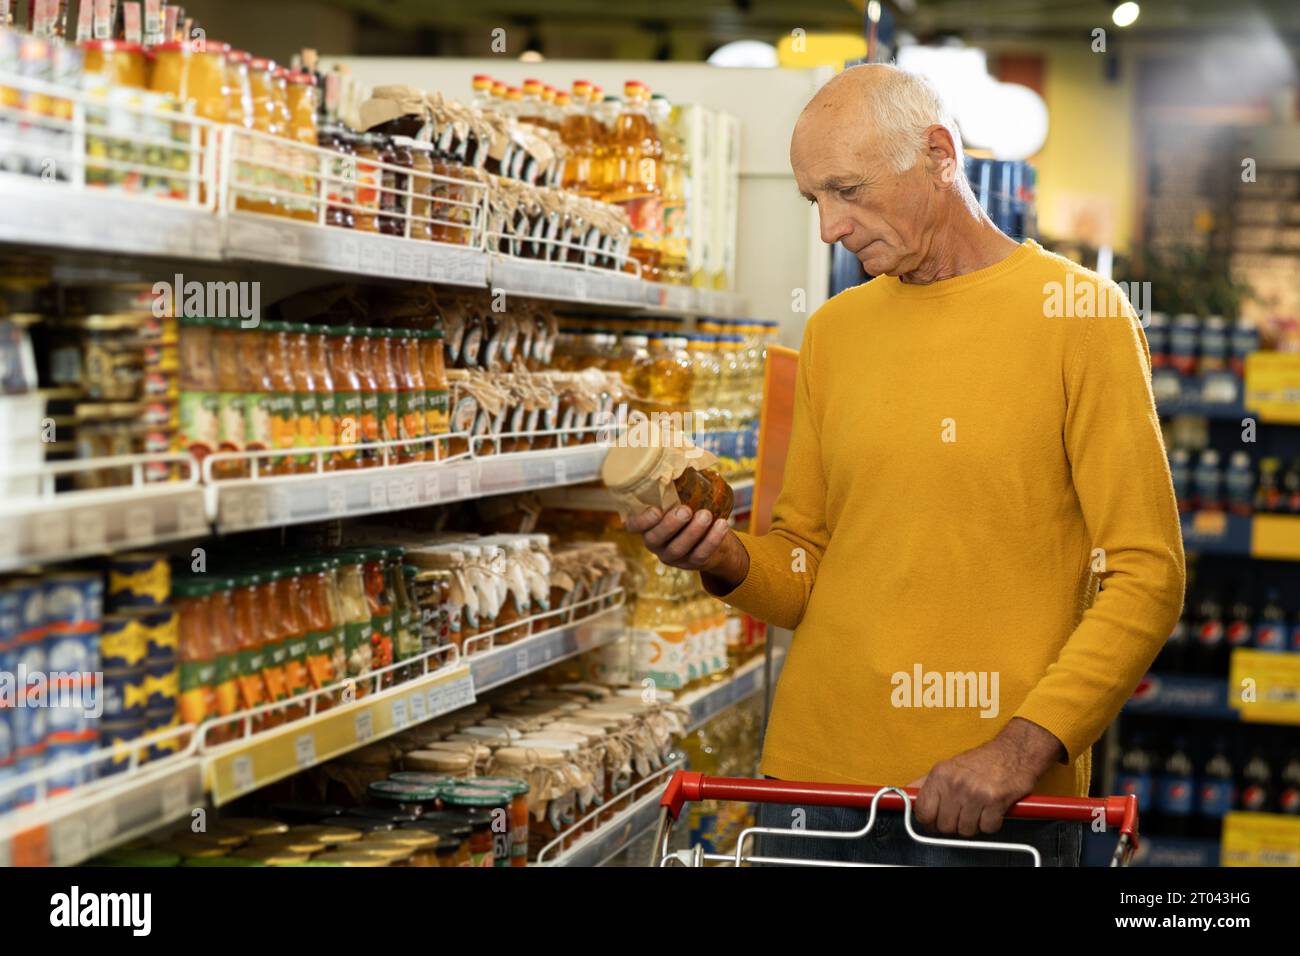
x: 1257, y: 784
x: 1268, y: 486
x: 1216, y: 792
x: 1291, y: 487
x: 1207, y: 480
x: 1176, y: 791
x: 1136, y: 764
x: 1288, y: 797
x: 1209, y: 635
x: 1239, y: 630
x: 1271, y: 629
x: 1239, y: 484
x: 1180, y: 471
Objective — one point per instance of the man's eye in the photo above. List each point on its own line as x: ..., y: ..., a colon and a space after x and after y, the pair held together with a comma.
x: 849, y: 192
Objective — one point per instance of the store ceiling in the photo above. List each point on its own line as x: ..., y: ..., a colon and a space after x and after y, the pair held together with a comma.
x: 689, y: 29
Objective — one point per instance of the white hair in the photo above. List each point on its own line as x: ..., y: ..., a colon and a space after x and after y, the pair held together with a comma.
x: 903, y: 105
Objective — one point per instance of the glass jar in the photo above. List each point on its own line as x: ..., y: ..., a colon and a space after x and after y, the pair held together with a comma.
x: 480, y: 809
x: 405, y: 795
x: 422, y: 190
x: 394, y: 182
x: 256, y: 177
x: 302, y: 104
x: 119, y: 62
x: 239, y: 94
x: 368, y: 150
x: 340, y: 169
x: 515, y: 791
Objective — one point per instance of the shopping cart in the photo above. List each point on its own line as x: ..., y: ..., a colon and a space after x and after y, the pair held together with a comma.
x: 1115, y: 812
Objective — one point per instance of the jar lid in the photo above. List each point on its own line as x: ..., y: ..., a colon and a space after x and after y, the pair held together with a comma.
x: 254, y: 826
x: 511, y: 785
x: 363, y: 824
x: 436, y: 760
x: 270, y: 855
x: 527, y: 756
x: 441, y: 821
x: 288, y: 843
x: 422, y: 777
x: 416, y: 839
x: 328, y: 834
x: 389, y: 852
x: 302, y: 76
x: 350, y: 858
x: 113, y: 46
x: 465, y: 795
x: 626, y: 466
x: 388, y: 814
x: 402, y: 791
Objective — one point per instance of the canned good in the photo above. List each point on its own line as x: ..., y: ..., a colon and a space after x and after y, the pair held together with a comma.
x: 24, y: 614
x: 158, y: 720
x: 124, y: 693
x: 120, y: 735
x: 10, y: 628
x: 123, y: 642
x: 74, y: 600
x: 72, y: 652
x: 68, y: 752
x: 30, y: 727
x: 138, y: 579
x: 162, y: 683
x: 161, y: 635
x: 22, y: 766
x: 71, y: 711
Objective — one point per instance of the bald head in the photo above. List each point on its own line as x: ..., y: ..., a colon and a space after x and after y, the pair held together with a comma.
x: 881, y: 157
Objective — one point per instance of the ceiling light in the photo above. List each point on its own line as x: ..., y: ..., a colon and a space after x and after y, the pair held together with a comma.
x: 1125, y: 14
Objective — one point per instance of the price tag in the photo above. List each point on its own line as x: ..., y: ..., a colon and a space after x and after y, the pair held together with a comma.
x: 410, y: 491
x: 561, y: 472
x: 433, y: 701
x: 101, y: 824
x: 279, y: 505
x: 399, y: 712
x: 175, y: 799
x: 52, y: 535
x: 255, y: 509
x: 464, y: 484
x: 404, y: 265
x: 579, y: 286
x: 387, y: 261
x: 521, y: 660
x: 336, y: 500
x: 365, y: 723
x: 417, y: 707
x: 138, y: 525
x: 231, y: 513
x: 304, y: 749
x: 68, y: 842
x: 378, y: 495
x: 547, y: 653
x: 432, y: 487
x: 397, y: 494
x: 89, y: 531
x: 241, y: 773
x: 190, y: 517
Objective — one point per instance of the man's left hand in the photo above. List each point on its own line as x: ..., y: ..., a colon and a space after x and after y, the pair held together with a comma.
x: 971, y: 792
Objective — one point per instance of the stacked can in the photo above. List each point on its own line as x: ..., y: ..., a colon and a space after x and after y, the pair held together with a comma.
x: 74, y: 611
x: 141, y: 680
x: 22, y: 654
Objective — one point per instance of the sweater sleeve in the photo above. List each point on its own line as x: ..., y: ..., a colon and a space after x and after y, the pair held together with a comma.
x: 783, y: 562
x: 1121, y: 477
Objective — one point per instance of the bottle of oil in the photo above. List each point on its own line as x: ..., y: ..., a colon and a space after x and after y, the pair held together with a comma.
x: 674, y: 175
x: 637, y: 154
x: 671, y: 375
x: 604, y: 159
x: 530, y: 103
x: 579, y: 133
x: 482, y: 85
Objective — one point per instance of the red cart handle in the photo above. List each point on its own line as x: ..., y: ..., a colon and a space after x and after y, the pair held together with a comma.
x: 685, y: 786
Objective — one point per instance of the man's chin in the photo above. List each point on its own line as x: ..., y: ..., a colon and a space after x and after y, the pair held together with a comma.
x: 877, y: 263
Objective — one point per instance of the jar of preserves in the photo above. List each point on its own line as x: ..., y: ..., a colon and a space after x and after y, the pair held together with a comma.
x: 421, y: 190
x: 340, y: 170
x: 408, y: 796
x: 395, y: 180
x: 516, y: 792
x: 476, y: 807
x: 423, y: 845
x: 367, y: 149
x: 453, y: 838
x: 119, y: 62
x: 655, y: 476
x: 452, y: 764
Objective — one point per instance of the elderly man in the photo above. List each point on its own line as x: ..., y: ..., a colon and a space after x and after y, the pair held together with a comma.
x: 966, y: 469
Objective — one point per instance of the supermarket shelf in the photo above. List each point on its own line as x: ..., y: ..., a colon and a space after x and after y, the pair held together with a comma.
x: 245, y: 503
x: 232, y: 770
x: 708, y: 702
x: 609, y: 839
x: 37, y: 213
x: 1271, y: 536
x: 597, y: 498
x: 510, y: 662
x: 49, y: 526
x: 608, y: 287
x: 254, y: 237
x: 1215, y: 411
x: 69, y: 829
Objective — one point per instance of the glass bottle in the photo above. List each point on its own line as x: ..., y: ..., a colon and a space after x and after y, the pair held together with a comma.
x: 318, y: 359
x: 363, y: 348
x: 346, y: 396
x: 305, y: 387
x: 385, y: 368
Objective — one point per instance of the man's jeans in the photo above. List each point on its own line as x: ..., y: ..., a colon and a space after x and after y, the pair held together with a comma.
x: 1060, y: 844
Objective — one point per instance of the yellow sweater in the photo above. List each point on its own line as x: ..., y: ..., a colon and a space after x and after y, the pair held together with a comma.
x: 964, y: 471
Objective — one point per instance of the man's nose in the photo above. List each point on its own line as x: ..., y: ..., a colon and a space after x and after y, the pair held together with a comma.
x: 834, y: 226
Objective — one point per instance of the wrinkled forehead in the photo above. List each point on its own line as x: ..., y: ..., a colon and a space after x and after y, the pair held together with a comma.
x: 837, y: 136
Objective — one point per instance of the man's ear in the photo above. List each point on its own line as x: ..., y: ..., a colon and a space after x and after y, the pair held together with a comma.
x: 941, y: 154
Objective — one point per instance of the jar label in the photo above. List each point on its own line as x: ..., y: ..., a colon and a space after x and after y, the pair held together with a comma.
x: 200, y: 422
x: 257, y: 421
x: 226, y: 684
x: 232, y: 423
x: 326, y: 422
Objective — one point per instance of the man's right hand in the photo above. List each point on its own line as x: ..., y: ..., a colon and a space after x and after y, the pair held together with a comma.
x: 694, y: 543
